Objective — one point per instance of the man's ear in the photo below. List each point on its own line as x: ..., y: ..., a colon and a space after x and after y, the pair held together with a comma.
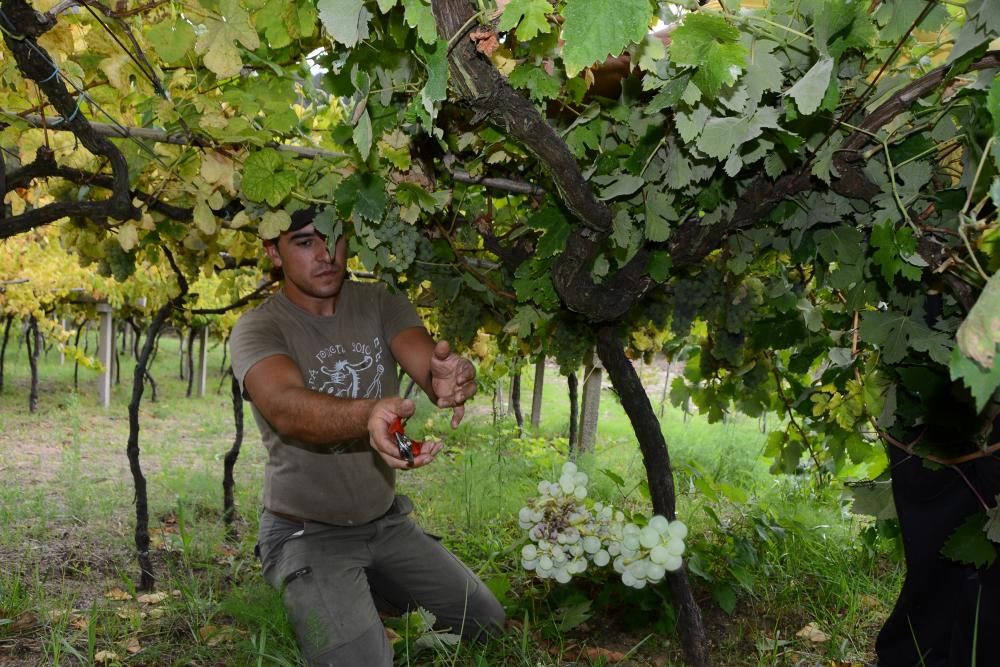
x: 271, y: 248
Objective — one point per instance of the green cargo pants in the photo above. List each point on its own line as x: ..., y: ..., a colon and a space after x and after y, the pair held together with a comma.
x: 335, y: 579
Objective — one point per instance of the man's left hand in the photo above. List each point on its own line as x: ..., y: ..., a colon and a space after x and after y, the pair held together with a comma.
x: 453, y: 379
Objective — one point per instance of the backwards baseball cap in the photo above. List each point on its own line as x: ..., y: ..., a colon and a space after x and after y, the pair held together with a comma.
x: 302, y: 217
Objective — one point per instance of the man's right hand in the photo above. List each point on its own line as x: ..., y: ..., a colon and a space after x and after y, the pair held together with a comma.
x: 383, y: 413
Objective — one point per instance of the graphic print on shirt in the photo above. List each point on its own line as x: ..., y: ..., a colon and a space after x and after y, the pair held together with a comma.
x: 352, y: 371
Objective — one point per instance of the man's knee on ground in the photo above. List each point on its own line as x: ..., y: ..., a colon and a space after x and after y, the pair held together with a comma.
x: 371, y: 649
x: 485, y: 616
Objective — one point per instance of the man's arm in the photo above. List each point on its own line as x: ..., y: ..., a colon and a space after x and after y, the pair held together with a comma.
x: 276, y: 387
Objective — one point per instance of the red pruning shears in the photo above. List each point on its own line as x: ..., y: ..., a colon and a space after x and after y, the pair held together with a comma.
x: 408, y: 447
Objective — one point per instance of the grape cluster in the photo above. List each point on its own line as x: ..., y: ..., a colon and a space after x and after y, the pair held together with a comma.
x: 567, y: 533
x: 646, y: 554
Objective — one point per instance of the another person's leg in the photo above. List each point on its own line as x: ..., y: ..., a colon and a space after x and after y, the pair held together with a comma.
x: 412, y: 569
x: 320, y: 572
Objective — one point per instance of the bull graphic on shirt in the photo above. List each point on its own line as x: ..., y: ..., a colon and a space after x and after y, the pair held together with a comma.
x: 344, y: 377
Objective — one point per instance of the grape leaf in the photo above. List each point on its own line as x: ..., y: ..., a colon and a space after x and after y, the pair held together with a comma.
x: 363, y: 195
x: 362, y: 135
x: 809, y: 91
x: 659, y: 214
x: 893, y: 245
x: 969, y: 545
x: 596, y: 29
x: 896, y: 332
x: 981, y: 383
x: 418, y: 15
x: 346, y: 21
x: 763, y: 70
x: 721, y: 135
x: 556, y: 230
x: 435, y: 57
x: 659, y: 266
x: 218, y: 43
x: 272, y: 223
x: 993, y: 105
x: 282, y: 22
x: 618, y: 185
x: 979, y: 334
x: 874, y: 499
x: 265, y: 178
x: 528, y: 15
x: 540, y: 86
x: 992, y: 527
x: 171, y: 39
x: 711, y: 44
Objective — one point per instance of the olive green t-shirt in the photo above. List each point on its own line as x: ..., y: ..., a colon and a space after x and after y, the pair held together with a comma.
x: 346, y: 355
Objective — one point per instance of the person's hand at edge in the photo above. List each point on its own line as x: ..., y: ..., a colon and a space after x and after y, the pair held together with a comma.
x: 453, y: 379
x: 383, y: 413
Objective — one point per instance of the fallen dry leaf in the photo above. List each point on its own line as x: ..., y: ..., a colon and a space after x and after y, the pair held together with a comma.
x: 118, y: 594
x: 812, y: 632
x: 133, y: 646
x: 23, y: 622
x: 595, y: 653
x: 870, y: 601
x: 78, y: 622
x: 157, y: 613
x: 106, y: 656
x: 153, y: 598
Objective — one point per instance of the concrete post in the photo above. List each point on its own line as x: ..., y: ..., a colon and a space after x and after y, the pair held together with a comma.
x: 591, y: 405
x: 105, y: 353
x: 202, y: 370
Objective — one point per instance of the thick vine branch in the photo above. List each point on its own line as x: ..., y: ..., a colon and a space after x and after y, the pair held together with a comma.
x: 484, y: 89
x: 25, y: 26
x: 252, y: 296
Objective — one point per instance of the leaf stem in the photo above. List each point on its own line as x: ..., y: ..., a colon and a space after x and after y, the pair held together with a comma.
x: 750, y: 17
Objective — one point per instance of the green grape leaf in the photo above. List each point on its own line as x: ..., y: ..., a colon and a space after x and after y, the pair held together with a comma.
x: 893, y: 245
x: 419, y: 16
x: 659, y: 214
x: 979, y: 334
x: 218, y: 43
x: 659, y: 267
x: 981, y: 383
x: 969, y: 544
x: 171, y: 39
x: 895, y: 332
x: 363, y: 195
x: 993, y: 106
x: 619, y: 185
x: 873, y: 499
x: 669, y: 95
x: 711, y: 44
x: 844, y: 246
x: 822, y: 167
x: 362, y: 135
x: 282, y: 22
x: 204, y: 218
x: 763, y: 70
x: 435, y: 57
x: 556, y: 230
x: 540, y: 86
x: 528, y: 15
x: 721, y: 135
x: 346, y: 21
x: 265, y: 178
x: 809, y: 91
x: 596, y: 29
x: 896, y: 17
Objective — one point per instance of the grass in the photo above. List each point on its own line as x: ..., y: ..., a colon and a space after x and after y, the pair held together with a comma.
x: 768, y: 554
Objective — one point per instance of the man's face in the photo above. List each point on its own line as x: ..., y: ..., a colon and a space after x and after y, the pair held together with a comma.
x: 311, y: 273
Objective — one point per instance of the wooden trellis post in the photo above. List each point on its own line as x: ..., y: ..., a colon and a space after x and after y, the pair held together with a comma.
x: 105, y: 352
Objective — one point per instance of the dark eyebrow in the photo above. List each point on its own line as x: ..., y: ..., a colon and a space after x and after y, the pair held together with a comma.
x: 296, y: 236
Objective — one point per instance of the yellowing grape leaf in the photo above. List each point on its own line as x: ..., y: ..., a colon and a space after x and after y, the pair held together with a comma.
x: 218, y: 43
x: 273, y: 223
x: 218, y: 169
x: 128, y: 236
x: 205, y: 218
